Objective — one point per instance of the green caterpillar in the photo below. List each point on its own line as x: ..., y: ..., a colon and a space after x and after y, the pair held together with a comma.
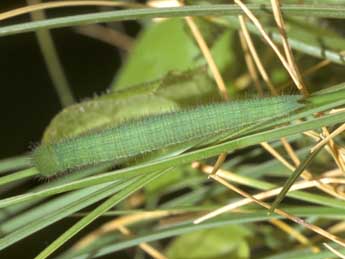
x: 144, y: 136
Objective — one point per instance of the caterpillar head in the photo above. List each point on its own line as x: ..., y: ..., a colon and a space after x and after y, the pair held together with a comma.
x: 46, y: 161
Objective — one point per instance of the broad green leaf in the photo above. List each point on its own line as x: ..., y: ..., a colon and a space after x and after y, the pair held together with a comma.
x: 96, y: 114
x: 167, y: 47
x: 162, y: 47
x: 217, y: 243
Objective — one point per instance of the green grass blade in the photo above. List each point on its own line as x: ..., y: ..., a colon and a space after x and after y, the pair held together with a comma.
x: 292, y: 179
x: 14, y: 210
x: 201, y: 10
x: 188, y: 226
x: 52, y: 60
x: 306, y: 253
x: 23, y: 226
x: 18, y: 176
x: 14, y: 163
x: 93, y: 215
x: 297, y: 43
x: 269, y: 135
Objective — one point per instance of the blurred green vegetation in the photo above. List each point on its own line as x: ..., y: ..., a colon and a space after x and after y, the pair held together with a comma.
x: 163, y: 70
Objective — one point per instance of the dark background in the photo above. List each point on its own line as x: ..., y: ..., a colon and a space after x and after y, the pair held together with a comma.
x: 28, y: 97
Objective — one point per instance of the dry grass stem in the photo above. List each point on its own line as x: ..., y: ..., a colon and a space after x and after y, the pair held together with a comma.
x: 337, y: 253
x: 287, y: 49
x: 208, y: 57
x: 150, y: 250
x: 260, y: 196
x: 120, y: 222
x: 214, y: 70
x: 43, y: 6
x: 269, y: 41
x: 264, y: 75
x: 337, y: 228
x: 292, y: 154
x: 294, y: 68
x: 107, y: 35
x: 316, y: 67
x: 311, y: 70
x: 294, y: 233
x: 329, y: 137
x: 256, y: 57
x: 282, y: 213
x: 305, y: 175
x: 250, y: 64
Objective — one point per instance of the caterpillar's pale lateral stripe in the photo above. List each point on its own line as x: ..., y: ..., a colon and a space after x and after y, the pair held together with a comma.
x: 153, y: 133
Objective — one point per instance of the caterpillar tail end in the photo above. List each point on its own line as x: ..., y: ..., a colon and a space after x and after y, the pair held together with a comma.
x: 46, y: 161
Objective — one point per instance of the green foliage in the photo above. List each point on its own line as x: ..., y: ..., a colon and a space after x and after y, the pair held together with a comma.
x: 161, y: 48
x: 165, y: 71
x: 217, y: 243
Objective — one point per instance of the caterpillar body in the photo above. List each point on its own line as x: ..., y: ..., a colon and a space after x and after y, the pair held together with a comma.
x: 152, y: 133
